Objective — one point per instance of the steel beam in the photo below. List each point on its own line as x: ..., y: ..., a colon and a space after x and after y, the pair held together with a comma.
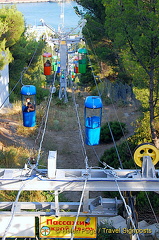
x: 108, y: 208
x: 73, y: 180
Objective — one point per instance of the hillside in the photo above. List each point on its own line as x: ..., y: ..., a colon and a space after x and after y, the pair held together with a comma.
x: 62, y: 133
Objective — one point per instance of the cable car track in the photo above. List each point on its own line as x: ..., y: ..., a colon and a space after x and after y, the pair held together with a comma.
x: 87, y: 179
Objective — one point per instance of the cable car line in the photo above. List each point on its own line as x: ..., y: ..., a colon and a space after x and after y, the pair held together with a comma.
x: 126, y: 206
x: 107, y: 121
x: 117, y: 152
x: 114, y: 144
x: 45, y: 24
x: 10, y: 93
x: 13, y: 212
x: 44, y: 130
x: 93, y: 48
x: 129, y: 213
x: 86, y: 162
x: 21, y: 76
x: 100, y: 94
x: 103, y: 163
x: 120, y: 125
x: 79, y: 25
x: 38, y: 157
x: 151, y: 208
x: 46, y: 119
x: 80, y: 130
x: 79, y: 208
x: 128, y: 209
x: 20, y: 80
x: 26, y: 68
x: 46, y: 109
x: 14, y: 206
x: 86, y: 159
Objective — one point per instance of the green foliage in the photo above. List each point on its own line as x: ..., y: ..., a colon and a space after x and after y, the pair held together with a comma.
x: 142, y: 132
x: 23, y: 52
x: 15, y: 45
x: 135, y: 70
x: 108, y: 59
x: 142, y: 95
x: 41, y: 94
x: 54, y: 125
x: 124, y: 37
x: 124, y: 150
x: 94, y: 8
x: 14, y: 22
x: 142, y: 200
x: 32, y: 196
x: 86, y: 79
x: 5, y: 56
x: 50, y: 196
x: 13, y: 157
x: 132, y: 27
x: 117, y: 129
x: 11, y: 29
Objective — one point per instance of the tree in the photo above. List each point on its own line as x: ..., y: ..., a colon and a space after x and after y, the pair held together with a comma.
x: 19, y: 51
x: 107, y: 58
x: 11, y: 28
x: 26, y: 52
x: 133, y: 26
x: 130, y: 31
x: 13, y: 21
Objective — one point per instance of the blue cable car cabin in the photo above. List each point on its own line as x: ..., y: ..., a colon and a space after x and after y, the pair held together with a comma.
x: 93, y: 117
x: 28, y: 93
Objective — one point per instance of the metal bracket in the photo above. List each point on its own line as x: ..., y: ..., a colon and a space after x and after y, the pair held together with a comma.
x: 148, y: 169
x: 95, y: 203
x: 107, y: 206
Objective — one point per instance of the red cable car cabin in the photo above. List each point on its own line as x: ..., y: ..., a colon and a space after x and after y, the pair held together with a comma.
x: 47, y: 63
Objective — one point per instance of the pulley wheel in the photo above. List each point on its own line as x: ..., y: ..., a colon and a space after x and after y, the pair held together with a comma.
x: 146, y: 149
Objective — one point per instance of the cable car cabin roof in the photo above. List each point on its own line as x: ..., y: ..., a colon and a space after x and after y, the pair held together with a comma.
x: 47, y: 54
x: 28, y: 90
x: 93, y: 102
x: 54, y: 57
x: 82, y: 50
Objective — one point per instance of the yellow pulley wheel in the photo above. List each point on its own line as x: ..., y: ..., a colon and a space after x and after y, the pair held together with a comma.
x: 146, y: 149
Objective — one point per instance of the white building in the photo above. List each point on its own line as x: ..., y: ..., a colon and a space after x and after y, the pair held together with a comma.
x: 4, y: 89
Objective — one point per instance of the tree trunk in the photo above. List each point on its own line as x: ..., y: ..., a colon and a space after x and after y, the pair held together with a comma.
x: 152, y: 110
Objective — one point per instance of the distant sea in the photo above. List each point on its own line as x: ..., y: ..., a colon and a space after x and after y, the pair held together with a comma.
x: 50, y: 12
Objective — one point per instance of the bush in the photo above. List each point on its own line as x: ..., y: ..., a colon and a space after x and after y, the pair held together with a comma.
x: 142, y: 132
x: 13, y: 157
x: 41, y: 94
x: 125, y: 151
x: 116, y: 128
